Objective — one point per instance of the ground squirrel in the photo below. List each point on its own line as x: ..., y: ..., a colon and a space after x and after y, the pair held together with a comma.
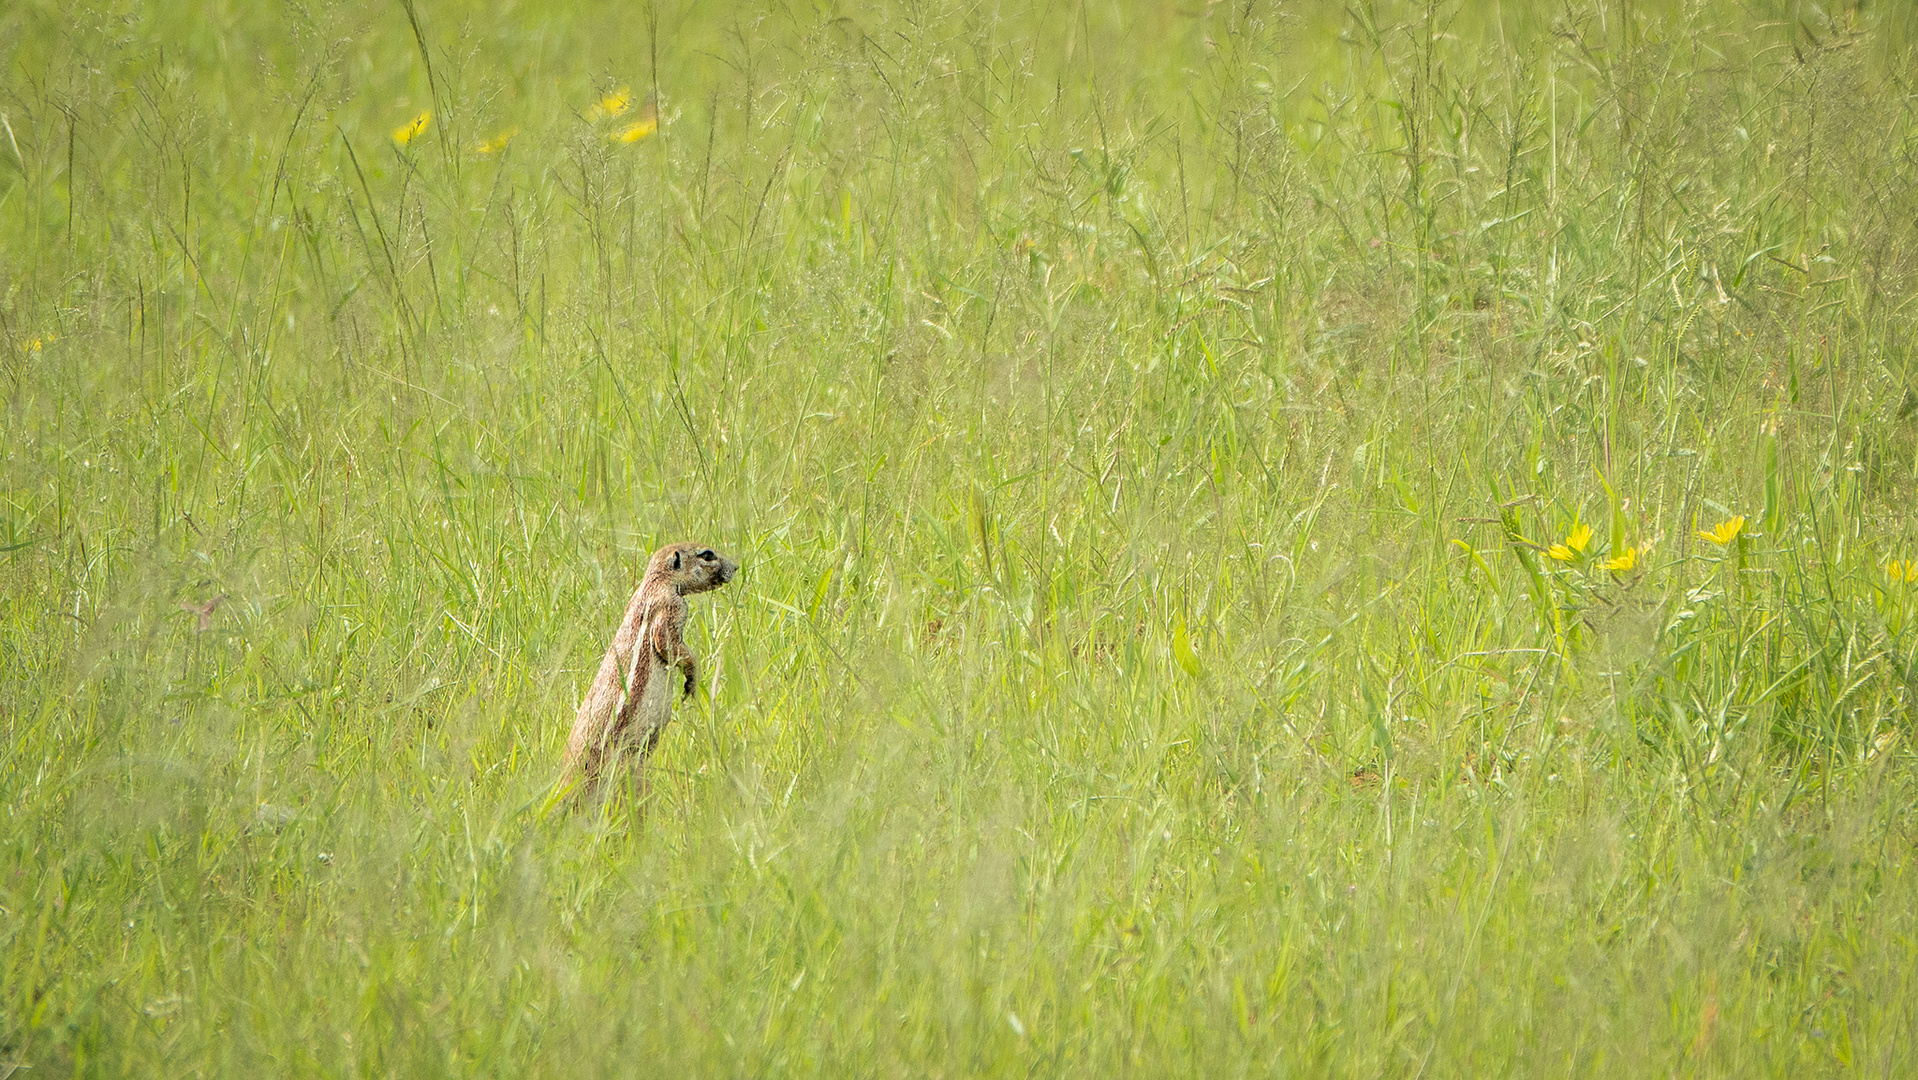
x: 631, y: 699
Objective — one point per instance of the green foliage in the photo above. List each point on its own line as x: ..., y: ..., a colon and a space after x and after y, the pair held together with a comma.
x: 1230, y: 501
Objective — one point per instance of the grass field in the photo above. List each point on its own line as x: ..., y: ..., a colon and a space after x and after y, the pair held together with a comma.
x: 1278, y: 540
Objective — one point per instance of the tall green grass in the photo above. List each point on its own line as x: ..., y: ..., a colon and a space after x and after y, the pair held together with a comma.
x: 1159, y: 440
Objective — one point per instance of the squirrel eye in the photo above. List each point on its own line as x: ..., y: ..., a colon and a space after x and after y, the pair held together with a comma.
x: 707, y: 554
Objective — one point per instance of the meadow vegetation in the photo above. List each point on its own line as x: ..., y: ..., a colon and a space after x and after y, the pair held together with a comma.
x: 1278, y: 539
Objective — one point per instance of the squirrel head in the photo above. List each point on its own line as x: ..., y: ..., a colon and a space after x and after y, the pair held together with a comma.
x: 690, y: 568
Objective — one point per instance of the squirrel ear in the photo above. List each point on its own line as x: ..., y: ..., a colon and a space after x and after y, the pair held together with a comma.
x: 676, y: 558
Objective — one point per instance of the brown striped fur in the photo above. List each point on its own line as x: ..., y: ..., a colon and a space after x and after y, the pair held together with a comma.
x: 631, y: 700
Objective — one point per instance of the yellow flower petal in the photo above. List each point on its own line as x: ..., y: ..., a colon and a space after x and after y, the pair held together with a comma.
x: 634, y: 132
x: 1561, y: 553
x: 613, y: 104
x: 1725, y: 532
x: 1581, y: 536
x: 1624, y: 560
x: 407, y: 132
x: 498, y: 142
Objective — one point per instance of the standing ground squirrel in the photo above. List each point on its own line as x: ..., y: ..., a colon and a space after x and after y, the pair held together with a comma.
x: 631, y: 699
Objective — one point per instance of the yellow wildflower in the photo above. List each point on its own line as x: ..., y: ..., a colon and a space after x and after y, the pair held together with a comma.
x: 643, y: 125
x: 498, y: 142
x: 1623, y: 561
x: 1725, y: 532
x: 413, y: 129
x: 637, y: 130
x: 1574, y: 546
x: 1902, y: 571
x: 613, y: 104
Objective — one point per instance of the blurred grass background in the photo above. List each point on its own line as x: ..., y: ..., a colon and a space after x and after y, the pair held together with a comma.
x: 1145, y: 429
